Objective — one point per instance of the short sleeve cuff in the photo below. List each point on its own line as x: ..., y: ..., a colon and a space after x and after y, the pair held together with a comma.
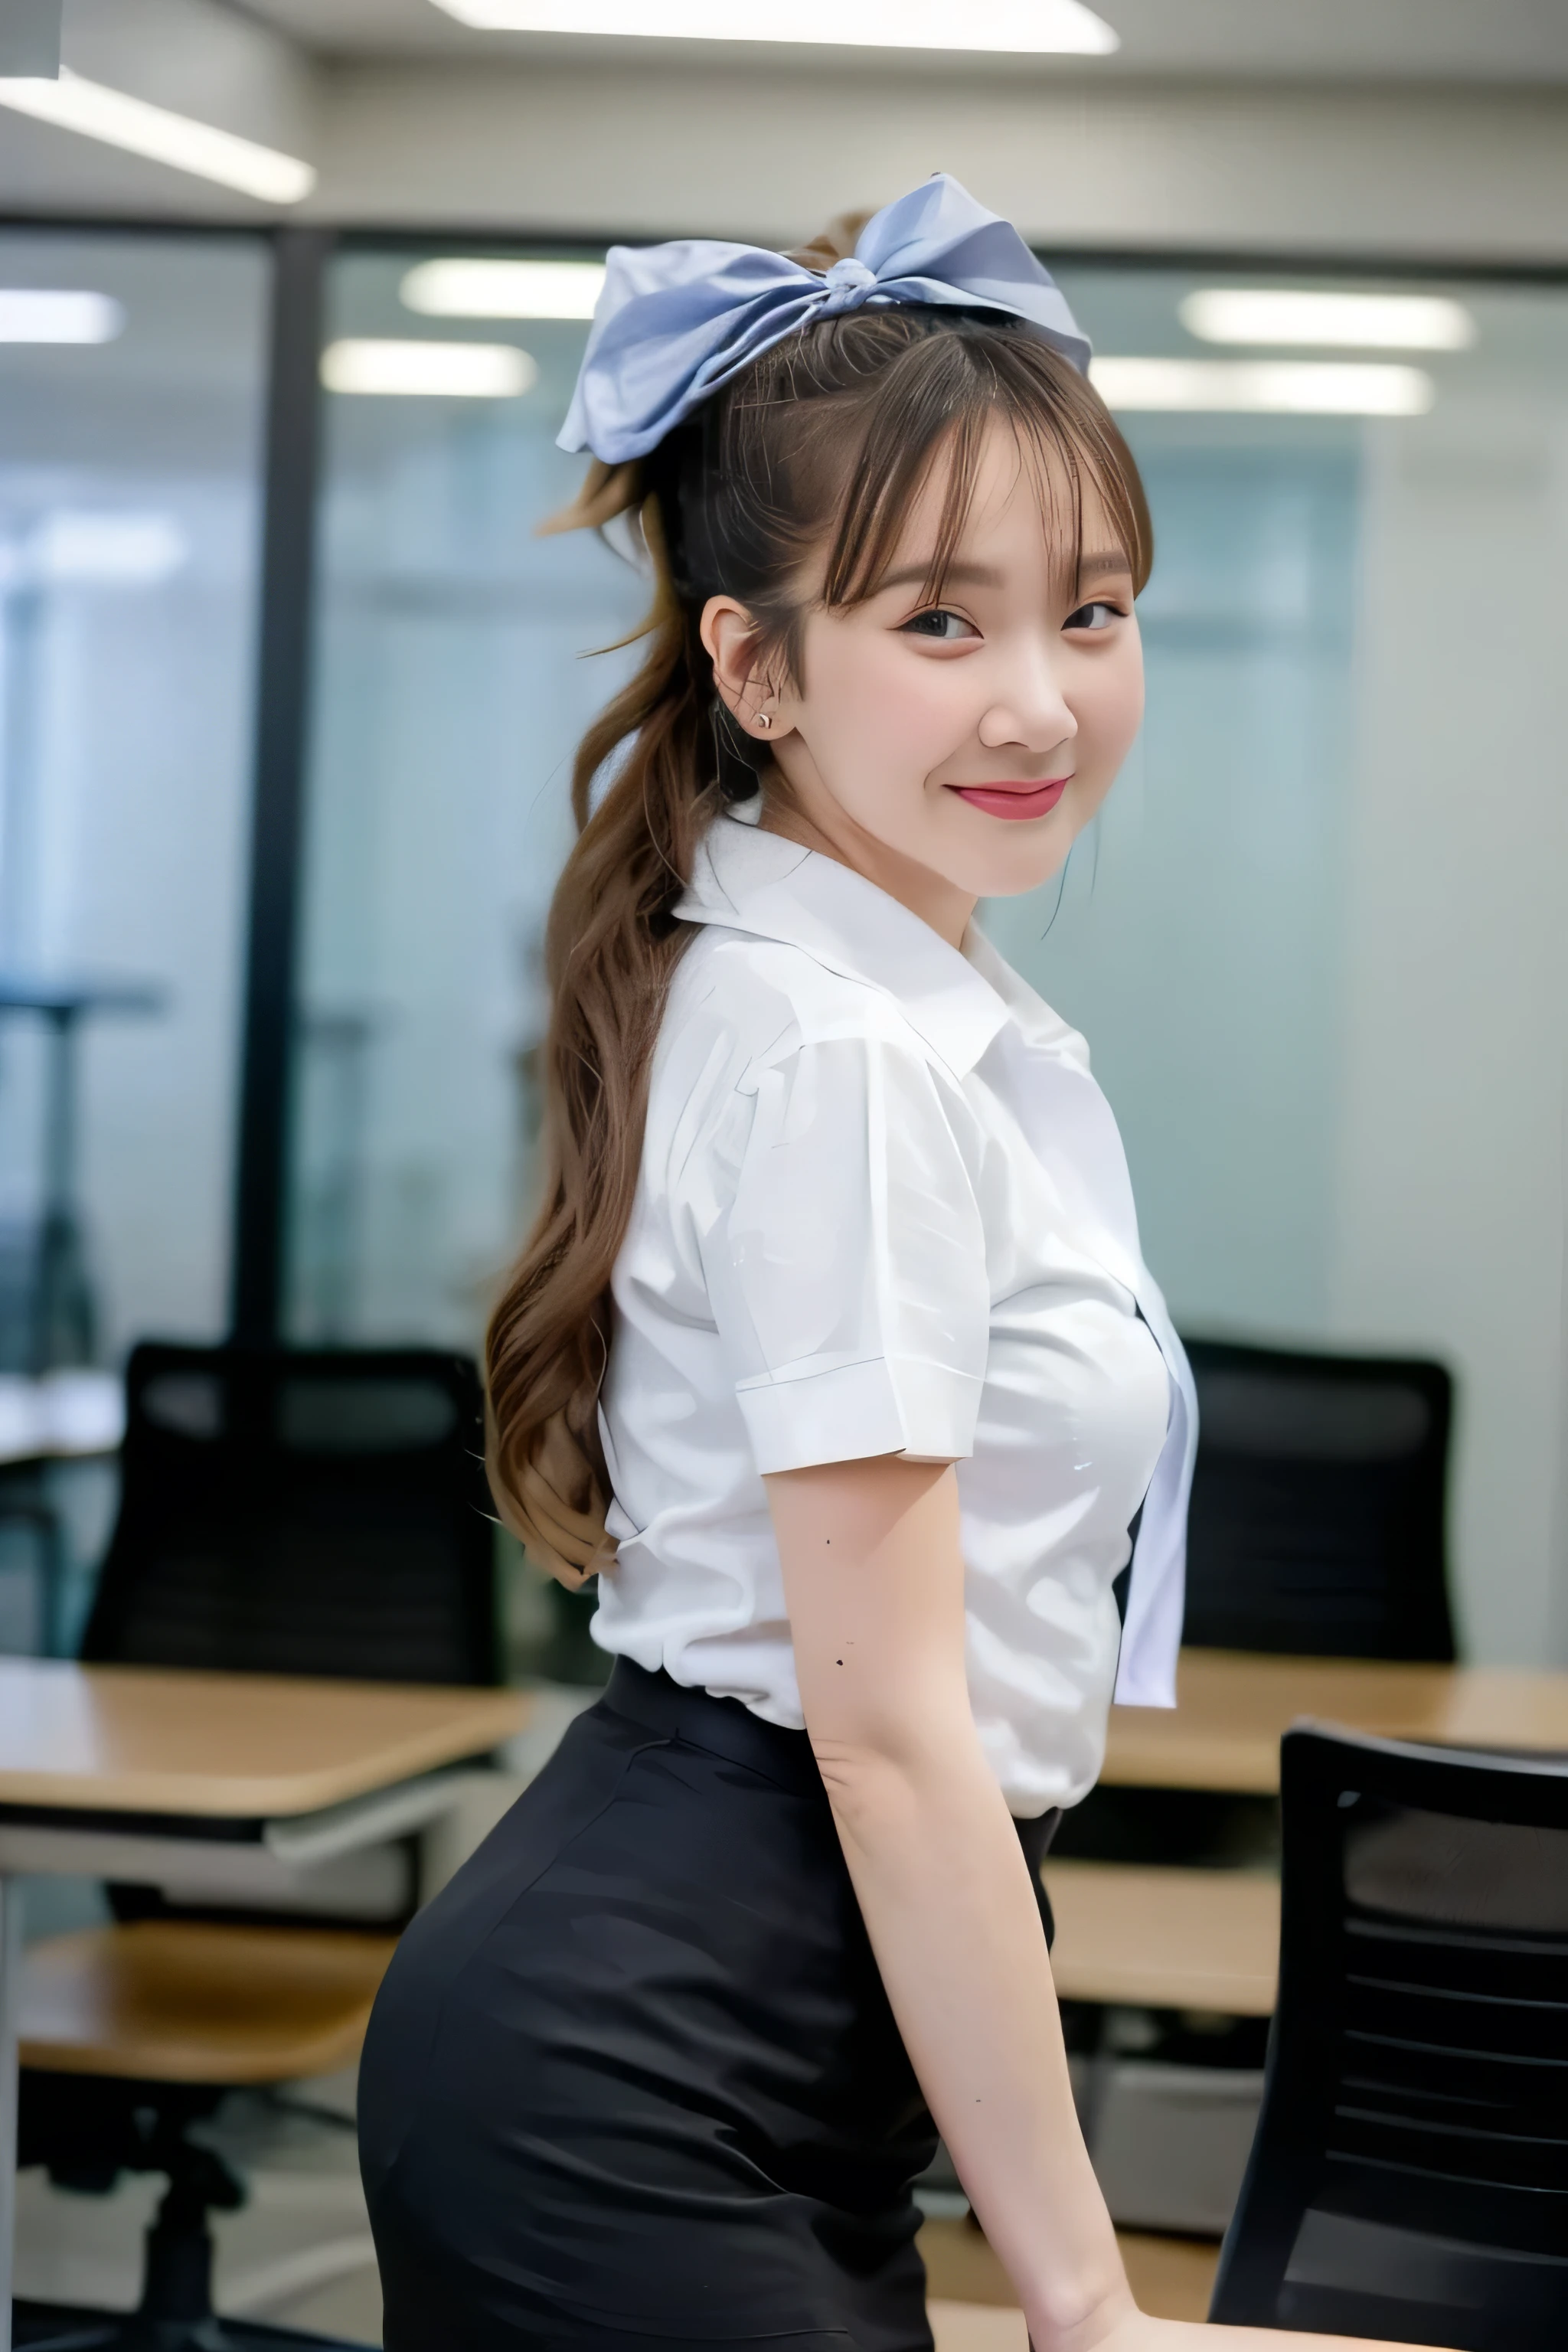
x: 851, y: 1411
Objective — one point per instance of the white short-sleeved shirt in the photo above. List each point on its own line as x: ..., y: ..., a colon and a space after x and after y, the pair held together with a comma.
x: 883, y: 1208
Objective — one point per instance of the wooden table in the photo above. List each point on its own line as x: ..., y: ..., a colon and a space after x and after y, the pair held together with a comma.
x: 1170, y: 1938
x: 230, y: 1783
x: 1156, y: 1936
x: 1232, y: 1708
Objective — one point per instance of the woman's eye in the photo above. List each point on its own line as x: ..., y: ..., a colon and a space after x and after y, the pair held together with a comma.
x: 1092, y: 616
x: 948, y: 628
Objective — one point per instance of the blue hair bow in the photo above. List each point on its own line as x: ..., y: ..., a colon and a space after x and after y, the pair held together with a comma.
x: 675, y: 321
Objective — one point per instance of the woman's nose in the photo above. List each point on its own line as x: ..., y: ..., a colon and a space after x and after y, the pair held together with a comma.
x: 1031, y: 711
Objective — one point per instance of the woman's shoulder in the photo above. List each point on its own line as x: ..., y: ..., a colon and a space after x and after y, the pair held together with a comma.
x: 751, y: 1022
x: 768, y: 998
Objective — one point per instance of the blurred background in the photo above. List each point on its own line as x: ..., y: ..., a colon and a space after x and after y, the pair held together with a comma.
x: 292, y: 294
x: 282, y: 827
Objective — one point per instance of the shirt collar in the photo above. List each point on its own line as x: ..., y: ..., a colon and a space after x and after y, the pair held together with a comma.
x: 744, y: 880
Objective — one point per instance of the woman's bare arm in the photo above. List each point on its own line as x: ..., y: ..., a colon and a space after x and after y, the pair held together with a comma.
x: 874, y: 1580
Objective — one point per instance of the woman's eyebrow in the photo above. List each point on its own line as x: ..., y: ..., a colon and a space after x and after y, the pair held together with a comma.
x: 961, y: 575
x: 1092, y: 566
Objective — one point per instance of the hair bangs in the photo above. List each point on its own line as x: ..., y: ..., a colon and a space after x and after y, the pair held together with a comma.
x: 1066, y: 439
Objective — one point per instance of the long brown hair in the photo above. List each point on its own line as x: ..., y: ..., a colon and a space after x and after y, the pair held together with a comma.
x: 818, y: 447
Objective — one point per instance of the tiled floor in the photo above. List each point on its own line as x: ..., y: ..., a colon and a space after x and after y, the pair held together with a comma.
x: 300, y: 2253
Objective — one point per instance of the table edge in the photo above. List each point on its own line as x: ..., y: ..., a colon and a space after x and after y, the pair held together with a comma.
x: 266, y: 1796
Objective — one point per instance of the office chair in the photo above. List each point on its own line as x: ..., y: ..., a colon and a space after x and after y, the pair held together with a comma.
x: 282, y: 1511
x: 315, y: 1511
x: 1409, y: 2176
x: 1317, y: 1520
x: 26, y: 1502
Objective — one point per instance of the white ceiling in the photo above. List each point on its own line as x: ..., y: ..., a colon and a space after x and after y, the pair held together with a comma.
x: 1517, y: 42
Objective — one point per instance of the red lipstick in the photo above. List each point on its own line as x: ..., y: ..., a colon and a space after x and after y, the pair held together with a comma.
x: 1014, y: 800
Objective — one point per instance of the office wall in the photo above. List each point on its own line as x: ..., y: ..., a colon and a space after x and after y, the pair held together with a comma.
x: 768, y: 153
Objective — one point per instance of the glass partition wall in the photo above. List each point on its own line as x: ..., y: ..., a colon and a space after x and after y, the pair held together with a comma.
x: 456, y: 669
x: 1320, y: 947
x: 132, y: 372
x: 1316, y: 939
x: 132, y: 376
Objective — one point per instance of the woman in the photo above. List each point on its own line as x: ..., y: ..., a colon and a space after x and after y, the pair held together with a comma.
x: 832, y: 1349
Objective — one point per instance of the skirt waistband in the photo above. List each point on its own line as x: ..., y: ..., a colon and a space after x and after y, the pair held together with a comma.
x: 724, y: 1727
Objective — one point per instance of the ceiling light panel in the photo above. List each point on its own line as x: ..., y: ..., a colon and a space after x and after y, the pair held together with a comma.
x: 73, y: 103
x: 1389, y: 322
x: 115, y: 551
x: 45, y: 314
x: 503, y: 290
x: 1026, y: 26
x: 1263, y: 387
x: 430, y: 371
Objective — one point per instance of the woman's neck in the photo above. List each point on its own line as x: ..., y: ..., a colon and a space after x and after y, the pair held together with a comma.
x: 836, y: 835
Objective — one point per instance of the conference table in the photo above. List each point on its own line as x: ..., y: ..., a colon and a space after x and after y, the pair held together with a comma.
x: 233, y: 1786
x: 1165, y: 1936
x: 1233, y: 1707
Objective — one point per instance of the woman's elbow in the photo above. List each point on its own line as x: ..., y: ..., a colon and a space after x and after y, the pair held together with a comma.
x: 880, y: 1777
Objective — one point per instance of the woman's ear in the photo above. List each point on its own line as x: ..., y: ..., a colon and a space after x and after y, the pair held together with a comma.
x: 728, y: 632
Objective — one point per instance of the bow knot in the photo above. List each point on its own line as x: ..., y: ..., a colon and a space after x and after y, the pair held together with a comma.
x: 849, y: 276
x: 676, y: 322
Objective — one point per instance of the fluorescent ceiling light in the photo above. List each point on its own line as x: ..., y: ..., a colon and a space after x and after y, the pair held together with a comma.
x: 74, y: 104
x: 1278, y: 387
x: 1388, y: 322
x: 45, y: 314
x: 504, y: 289
x: 111, y: 550
x: 449, y: 370
x: 72, y: 547
x: 1040, y: 27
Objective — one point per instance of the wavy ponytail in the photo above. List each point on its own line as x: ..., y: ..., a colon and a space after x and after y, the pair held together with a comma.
x: 820, y: 447
x: 611, y: 947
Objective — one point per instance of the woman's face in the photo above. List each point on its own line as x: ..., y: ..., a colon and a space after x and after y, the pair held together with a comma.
x: 955, y: 752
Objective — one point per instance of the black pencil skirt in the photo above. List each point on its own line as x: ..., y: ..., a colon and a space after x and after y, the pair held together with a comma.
x: 632, y: 2082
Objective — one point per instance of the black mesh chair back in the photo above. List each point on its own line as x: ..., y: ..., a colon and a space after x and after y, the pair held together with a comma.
x: 301, y: 1512
x: 1409, y: 2177
x: 1317, y: 1520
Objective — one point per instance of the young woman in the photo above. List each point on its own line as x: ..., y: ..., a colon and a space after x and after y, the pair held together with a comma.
x: 832, y: 1350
